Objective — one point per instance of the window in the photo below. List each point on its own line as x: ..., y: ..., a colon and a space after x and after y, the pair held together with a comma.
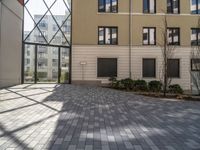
x: 195, y: 64
x: 195, y: 6
x: 109, y: 6
x: 173, y: 68
x: 108, y: 36
x: 173, y: 36
x: 195, y: 37
x: 149, y: 67
x: 107, y: 67
x: 173, y: 6
x: 149, y: 6
x: 149, y: 36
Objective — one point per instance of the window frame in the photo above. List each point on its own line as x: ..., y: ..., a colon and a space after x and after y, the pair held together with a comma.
x: 143, y: 59
x: 104, y: 8
x: 179, y: 69
x: 109, y: 27
x: 149, y: 36
x: 148, y: 5
x: 197, y: 8
x: 172, y: 8
x: 115, y: 58
x: 191, y: 64
x: 197, y: 37
x: 179, y: 34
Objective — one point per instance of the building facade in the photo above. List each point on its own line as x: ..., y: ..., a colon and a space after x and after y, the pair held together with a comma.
x: 11, y: 18
x: 124, y: 38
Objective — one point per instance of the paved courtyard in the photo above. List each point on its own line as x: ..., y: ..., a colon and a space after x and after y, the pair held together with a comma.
x: 61, y: 117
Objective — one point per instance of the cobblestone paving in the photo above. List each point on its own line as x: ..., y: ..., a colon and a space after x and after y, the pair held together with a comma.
x: 61, y: 117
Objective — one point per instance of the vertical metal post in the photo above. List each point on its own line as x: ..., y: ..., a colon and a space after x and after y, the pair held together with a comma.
x: 59, y: 67
x: 35, y: 75
x: 130, y: 37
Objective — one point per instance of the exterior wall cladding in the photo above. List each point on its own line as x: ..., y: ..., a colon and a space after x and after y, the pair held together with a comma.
x: 86, y: 50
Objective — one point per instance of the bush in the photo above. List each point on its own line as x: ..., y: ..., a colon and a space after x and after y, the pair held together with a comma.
x: 176, y: 89
x: 155, y: 86
x: 127, y: 83
x: 140, y: 85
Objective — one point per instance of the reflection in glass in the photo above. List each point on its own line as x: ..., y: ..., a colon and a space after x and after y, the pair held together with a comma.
x: 64, y: 64
x: 29, y: 63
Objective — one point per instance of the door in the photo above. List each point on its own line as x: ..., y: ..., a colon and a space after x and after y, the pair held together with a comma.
x: 46, y: 64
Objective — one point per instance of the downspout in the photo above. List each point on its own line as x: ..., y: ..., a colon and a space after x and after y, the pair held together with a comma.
x: 130, y: 37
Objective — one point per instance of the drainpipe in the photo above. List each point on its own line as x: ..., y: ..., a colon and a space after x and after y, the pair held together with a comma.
x: 130, y: 37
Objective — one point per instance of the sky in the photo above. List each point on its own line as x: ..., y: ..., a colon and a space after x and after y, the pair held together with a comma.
x: 37, y: 7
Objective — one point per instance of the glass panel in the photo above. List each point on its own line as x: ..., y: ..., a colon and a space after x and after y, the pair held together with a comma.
x: 64, y: 64
x: 194, y: 37
x: 149, y: 68
x: 114, y: 35
x: 108, y: 6
x: 145, y: 6
x: 29, y: 64
x: 114, y: 5
x: 107, y: 35
x: 152, y: 6
x: 101, y: 35
x: 176, y: 6
x: 145, y: 36
x: 152, y: 36
x: 46, y: 19
x: 47, y: 64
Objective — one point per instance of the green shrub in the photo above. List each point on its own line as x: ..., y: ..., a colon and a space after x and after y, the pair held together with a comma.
x: 127, y: 83
x: 155, y: 86
x: 175, y: 89
x: 140, y: 85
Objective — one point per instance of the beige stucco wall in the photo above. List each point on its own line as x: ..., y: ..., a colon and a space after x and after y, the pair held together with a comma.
x: 89, y: 55
x: 10, y: 42
x: 86, y: 20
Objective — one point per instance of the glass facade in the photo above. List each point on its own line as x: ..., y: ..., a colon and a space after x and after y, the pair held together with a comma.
x: 47, y: 30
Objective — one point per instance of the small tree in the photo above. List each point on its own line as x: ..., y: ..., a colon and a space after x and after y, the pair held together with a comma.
x: 195, y: 54
x: 167, y: 52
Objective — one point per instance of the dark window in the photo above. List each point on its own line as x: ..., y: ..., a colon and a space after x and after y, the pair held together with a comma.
x: 149, y: 6
x: 195, y: 64
x: 110, y: 6
x: 173, y: 68
x: 195, y: 6
x: 149, y: 67
x: 195, y: 36
x: 149, y: 36
x: 107, y: 67
x: 173, y: 6
x: 108, y: 36
x: 173, y: 36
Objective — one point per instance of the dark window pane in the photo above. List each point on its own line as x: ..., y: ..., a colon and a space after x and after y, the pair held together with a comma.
x: 195, y: 6
x: 173, y: 36
x: 149, y: 68
x: 107, y: 67
x: 114, y: 6
x: 173, y: 68
x: 149, y: 6
x: 101, y: 5
x: 195, y: 64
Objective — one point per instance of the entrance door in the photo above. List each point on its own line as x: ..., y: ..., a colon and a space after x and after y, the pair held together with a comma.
x: 46, y: 64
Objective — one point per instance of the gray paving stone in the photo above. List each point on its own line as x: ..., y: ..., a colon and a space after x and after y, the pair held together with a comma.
x: 70, y: 117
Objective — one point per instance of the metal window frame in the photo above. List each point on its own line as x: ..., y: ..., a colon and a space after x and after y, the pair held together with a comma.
x: 154, y: 59
x: 148, y: 28
x: 104, y: 8
x: 104, y: 29
x: 172, y: 7
x: 148, y: 7
x: 179, y: 75
x: 173, y: 30
x: 48, y: 44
